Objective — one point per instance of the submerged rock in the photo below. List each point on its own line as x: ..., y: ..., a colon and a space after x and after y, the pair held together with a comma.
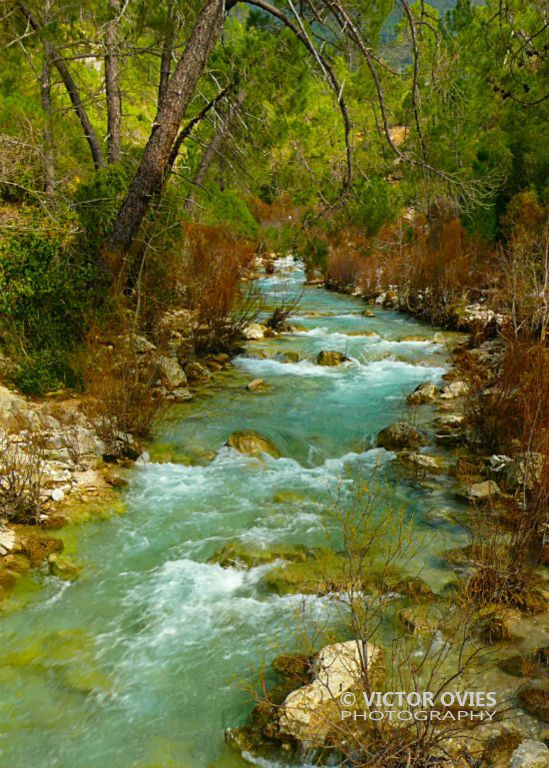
x: 330, y: 357
x: 534, y: 698
x: 530, y: 754
x: 242, y: 556
x: 421, y: 619
x: 368, y: 313
x: 424, y: 393
x: 252, y: 443
x: 398, y: 436
x: 255, y: 384
x: 322, y: 572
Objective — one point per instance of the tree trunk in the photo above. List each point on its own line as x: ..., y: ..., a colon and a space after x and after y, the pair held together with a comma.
x: 112, y: 87
x: 212, y: 150
x: 148, y: 180
x: 166, y: 60
x: 72, y: 89
x: 45, y: 96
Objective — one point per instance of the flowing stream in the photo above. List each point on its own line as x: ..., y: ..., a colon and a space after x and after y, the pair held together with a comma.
x: 134, y: 663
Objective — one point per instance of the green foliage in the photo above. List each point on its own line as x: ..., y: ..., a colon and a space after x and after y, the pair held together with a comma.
x: 46, y: 288
x: 373, y: 203
x: 98, y: 200
x: 229, y: 208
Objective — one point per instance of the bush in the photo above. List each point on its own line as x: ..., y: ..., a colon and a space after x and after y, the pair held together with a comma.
x: 46, y: 289
x: 211, y: 283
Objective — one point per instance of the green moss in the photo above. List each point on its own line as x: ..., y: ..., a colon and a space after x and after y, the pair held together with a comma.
x: 243, y: 556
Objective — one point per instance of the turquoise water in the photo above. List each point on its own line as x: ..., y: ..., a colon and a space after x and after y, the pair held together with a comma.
x: 134, y: 664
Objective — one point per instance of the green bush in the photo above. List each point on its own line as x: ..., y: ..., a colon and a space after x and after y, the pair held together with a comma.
x: 46, y: 289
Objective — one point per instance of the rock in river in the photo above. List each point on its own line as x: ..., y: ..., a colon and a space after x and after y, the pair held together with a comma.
x: 331, y: 358
x: 252, y: 443
x: 398, y: 436
x: 424, y: 393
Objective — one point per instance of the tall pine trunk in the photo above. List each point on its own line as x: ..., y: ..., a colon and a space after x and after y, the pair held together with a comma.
x: 148, y: 180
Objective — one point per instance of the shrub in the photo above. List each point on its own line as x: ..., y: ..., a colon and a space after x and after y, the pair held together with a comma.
x: 21, y: 477
x: 211, y: 280
x: 46, y: 289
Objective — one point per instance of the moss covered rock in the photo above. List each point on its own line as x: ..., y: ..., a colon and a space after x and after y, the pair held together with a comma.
x: 252, y: 443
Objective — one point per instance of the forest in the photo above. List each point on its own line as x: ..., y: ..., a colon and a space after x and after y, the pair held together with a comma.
x: 285, y: 247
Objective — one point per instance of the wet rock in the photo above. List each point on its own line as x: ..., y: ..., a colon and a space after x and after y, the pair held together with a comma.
x: 252, y: 443
x: 422, y: 462
x: 308, y: 712
x: 197, y: 372
x: 331, y: 358
x: 254, y: 331
x: 450, y: 428
x: 62, y: 568
x: 534, y: 698
x: 242, y: 556
x: 181, y: 395
x: 322, y: 572
x: 172, y: 373
x: 368, y: 313
x: 39, y: 548
x: 454, y: 389
x: 480, y: 492
x: 530, y: 754
x: 399, y: 436
x: 424, y: 393
x: 421, y: 619
x: 287, y: 357
x: 255, y: 384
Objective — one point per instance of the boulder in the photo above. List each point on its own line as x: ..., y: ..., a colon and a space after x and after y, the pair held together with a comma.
x: 424, y: 393
x: 454, y: 389
x: 172, y: 373
x: 254, y: 331
x: 252, y: 443
x: 368, y: 313
x: 484, y: 491
x: 307, y: 713
x: 530, y: 754
x: 7, y: 541
x: 399, y: 436
x: 330, y: 357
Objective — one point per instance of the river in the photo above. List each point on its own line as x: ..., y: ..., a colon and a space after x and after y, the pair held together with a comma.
x: 134, y: 663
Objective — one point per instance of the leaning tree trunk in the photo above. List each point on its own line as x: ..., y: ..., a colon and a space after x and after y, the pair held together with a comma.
x: 74, y: 94
x: 112, y: 87
x: 148, y: 180
x: 212, y: 150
